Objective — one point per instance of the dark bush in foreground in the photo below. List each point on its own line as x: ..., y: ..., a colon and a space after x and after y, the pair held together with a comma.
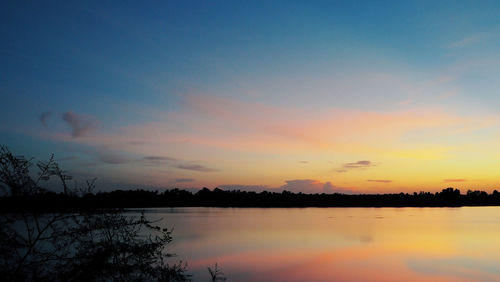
x: 75, y: 244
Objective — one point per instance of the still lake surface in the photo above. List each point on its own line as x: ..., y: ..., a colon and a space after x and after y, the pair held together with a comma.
x: 328, y: 244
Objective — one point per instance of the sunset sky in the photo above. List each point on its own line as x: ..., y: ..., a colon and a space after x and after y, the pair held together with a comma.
x: 312, y: 96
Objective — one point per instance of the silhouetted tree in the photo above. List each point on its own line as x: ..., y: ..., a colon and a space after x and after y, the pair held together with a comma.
x: 216, y: 274
x: 75, y: 245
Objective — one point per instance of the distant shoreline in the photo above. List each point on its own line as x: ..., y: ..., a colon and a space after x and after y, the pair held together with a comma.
x: 50, y: 201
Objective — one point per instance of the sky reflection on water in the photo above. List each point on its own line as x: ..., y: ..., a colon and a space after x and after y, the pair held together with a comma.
x: 294, y: 244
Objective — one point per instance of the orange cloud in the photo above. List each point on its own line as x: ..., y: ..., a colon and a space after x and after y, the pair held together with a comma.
x: 455, y: 180
x: 379, y: 180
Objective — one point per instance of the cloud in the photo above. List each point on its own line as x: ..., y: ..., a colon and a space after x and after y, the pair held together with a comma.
x: 173, y: 162
x: 379, y: 180
x: 158, y: 160
x: 357, y: 165
x: 455, y: 180
x: 115, y: 157
x: 107, y: 155
x: 182, y: 180
x: 80, y: 125
x: 312, y: 186
x: 303, y: 162
x: 195, y: 167
x: 44, y: 117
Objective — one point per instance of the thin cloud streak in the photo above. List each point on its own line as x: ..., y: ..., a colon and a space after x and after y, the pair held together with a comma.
x: 195, y: 167
x: 379, y: 180
x: 159, y: 159
x: 175, y: 163
x: 357, y: 166
x: 455, y: 180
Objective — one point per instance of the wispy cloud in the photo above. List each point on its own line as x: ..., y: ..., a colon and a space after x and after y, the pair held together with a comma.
x: 195, y: 167
x: 159, y: 159
x: 175, y: 163
x: 80, y: 124
x: 357, y: 165
x: 455, y: 180
x: 379, y: 180
x: 95, y: 155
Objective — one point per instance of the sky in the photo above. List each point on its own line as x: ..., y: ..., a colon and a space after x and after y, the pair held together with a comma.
x: 306, y: 96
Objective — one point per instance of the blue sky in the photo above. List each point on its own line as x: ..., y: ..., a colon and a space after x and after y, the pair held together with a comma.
x: 187, y: 68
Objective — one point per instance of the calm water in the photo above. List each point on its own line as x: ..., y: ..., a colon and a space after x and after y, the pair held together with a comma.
x: 293, y: 244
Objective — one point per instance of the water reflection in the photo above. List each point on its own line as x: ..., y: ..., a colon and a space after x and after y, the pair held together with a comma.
x: 338, y: 243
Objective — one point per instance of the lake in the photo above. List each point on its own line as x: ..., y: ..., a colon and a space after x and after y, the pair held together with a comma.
x: 346, y: 244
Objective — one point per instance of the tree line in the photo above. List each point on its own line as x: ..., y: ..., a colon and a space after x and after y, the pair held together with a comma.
x: 46, y: 200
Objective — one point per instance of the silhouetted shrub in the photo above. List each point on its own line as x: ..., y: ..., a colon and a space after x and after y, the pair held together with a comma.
x: 75, y: 244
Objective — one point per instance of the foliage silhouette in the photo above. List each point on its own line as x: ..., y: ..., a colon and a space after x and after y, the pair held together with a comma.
x: 216, y: 274
x: 74, y: 244
x: 50, y: 201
